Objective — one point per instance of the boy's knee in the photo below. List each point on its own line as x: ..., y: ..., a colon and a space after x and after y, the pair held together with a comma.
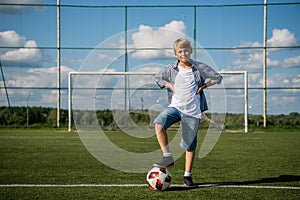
x: 159, y: 128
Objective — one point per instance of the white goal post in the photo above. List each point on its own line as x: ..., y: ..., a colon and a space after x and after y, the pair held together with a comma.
x: 244, y: 73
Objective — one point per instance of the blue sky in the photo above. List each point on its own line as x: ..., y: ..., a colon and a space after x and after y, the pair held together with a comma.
x: 84, y: 27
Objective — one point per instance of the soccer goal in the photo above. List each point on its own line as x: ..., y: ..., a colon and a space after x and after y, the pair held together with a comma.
x: 133, y: 91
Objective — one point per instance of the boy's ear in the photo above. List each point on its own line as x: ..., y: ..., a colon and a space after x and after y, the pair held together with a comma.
x: 175, y: 52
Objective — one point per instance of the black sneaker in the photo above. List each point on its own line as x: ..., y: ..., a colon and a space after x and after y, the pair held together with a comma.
x: 165, y: 162
x: 188, y: 181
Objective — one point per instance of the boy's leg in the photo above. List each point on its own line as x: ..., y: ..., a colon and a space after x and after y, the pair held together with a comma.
x: 162, y: 138
x: 189, y: 159
x: 162, y: 122
x: 190, y: 127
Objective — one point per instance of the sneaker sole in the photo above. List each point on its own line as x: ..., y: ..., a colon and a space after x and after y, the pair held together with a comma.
x: 156, y: 165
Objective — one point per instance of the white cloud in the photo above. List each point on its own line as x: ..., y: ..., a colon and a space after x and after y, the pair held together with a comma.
x: 112, y: 81
x: 39, y: 77
x: 283, y: 80
x: 291, y: 62
x: 283, y: 100
x: 11, y: 38
x: 248, y: 60
x: 296, y: 80
x: 252, y: 59
x: 161, y: 37
x: 73, y: 61
x: 273, y: 63
x: 26, y: 52
x: 158, y: 39
x: 17, y: 10
x: 49, y: 98
x: 282, y: 37
x: 107, y: 57
x: 237, y: 80
x: 256, y: 80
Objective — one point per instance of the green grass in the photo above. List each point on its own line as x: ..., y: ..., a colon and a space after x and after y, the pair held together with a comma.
x: 57, y: 157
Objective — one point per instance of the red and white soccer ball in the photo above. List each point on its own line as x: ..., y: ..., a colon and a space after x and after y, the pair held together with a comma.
x: 159, y: 178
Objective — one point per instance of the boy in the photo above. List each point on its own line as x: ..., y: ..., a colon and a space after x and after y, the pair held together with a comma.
x: 185, y: 82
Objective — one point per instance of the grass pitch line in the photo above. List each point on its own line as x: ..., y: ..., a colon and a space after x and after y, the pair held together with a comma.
x: 74, y: 185
x: 144, y: 185
x: 260, y: 187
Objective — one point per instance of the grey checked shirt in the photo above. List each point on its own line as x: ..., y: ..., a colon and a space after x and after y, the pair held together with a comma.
x: 201, y: 72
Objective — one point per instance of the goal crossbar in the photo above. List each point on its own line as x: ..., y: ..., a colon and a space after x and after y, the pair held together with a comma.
x: 244, y: 73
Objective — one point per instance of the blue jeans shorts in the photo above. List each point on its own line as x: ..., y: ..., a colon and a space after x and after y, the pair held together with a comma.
x: 189, y: 125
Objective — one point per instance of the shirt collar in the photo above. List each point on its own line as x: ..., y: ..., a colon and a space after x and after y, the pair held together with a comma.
x: 175, y: 65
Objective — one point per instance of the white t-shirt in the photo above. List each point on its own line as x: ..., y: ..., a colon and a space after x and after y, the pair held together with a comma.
x: 185, y: 98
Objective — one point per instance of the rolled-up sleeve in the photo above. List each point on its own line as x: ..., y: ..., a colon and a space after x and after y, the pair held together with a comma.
x: 208, y: 72
x: 160, y: 78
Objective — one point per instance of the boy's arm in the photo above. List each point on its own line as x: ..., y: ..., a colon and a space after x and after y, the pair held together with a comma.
x: 206, y: 85
x: 162, y: 79
x: 170, y: 86
x: 208, y: 72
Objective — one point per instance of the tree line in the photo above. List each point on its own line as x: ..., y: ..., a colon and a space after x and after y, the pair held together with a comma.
x: 46, y: 117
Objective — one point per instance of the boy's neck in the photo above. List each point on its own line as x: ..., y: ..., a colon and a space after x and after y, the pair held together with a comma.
x: 186, y: 65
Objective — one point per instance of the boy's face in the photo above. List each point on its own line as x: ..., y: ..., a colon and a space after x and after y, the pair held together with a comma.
x: 183, y: 54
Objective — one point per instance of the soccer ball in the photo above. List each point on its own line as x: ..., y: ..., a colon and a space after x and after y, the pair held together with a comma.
x: 158, y: 178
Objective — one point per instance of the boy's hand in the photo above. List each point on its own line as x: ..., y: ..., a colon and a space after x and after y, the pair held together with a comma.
x: 170, y: 86
x: 200, y: 89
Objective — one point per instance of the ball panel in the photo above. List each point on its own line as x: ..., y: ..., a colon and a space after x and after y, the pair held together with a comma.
x: 158, y: 178
x: 159, y: 184
x: 152, y: 175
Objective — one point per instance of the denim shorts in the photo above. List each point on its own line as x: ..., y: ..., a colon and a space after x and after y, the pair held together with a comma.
x: 189, y: 125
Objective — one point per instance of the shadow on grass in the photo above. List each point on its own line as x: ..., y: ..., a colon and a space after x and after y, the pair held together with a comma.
x: 181, y: 188
x: 280, y: 179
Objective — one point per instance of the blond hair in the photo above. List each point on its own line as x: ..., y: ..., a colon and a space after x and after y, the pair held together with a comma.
x: 182, y: 43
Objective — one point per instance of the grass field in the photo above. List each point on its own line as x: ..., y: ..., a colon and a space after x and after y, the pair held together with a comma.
x: 51, y: 164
